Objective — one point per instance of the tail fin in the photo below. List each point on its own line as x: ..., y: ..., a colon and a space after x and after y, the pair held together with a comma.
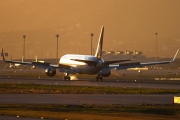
x: 100, y: 44
x: 22, y: 58
x: 36, y: 59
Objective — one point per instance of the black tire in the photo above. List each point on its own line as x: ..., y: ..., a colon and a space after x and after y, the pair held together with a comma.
x: 101, y: 79
x: 64, y: 78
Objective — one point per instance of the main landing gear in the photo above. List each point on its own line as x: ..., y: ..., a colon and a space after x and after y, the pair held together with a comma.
x: 99, y: 78
x: 66, y: 76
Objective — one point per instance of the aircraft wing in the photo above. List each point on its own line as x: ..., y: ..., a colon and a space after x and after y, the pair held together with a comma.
x: 138, y: 64
x: 89, y: 62
x: 115, y: 61
x: 37, y: 64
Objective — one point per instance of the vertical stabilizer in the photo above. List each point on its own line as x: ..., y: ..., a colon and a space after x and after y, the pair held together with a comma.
x: 22, y: 58
x: 100, y: 43
x: 36, y: 59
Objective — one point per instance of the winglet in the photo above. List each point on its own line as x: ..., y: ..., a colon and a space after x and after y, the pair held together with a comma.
x: 175, y: 56
x: 3, y: 55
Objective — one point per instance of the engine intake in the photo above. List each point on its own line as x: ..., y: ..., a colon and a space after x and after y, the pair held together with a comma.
x: 106, y: 74
x: 50, y: 72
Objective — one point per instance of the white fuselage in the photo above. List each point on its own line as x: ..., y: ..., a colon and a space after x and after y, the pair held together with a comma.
x: 82, y: 64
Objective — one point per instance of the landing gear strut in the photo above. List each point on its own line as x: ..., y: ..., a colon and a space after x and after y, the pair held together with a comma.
x: 66, y: 76
x: 99, y: 78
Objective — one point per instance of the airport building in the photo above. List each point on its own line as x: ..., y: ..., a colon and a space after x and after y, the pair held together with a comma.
x: 114, y: 55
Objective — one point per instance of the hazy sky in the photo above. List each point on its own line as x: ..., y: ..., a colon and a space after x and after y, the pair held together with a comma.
x: 129, y: 25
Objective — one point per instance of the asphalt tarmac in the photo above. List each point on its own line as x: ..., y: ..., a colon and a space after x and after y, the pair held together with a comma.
x: 125, y: 99
x: 57, y: 81
x: 79, y: 99
x: 16, y: 118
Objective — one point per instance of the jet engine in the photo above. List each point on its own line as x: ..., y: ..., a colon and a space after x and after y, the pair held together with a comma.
x: 105, y: 73
x: 50, y: 72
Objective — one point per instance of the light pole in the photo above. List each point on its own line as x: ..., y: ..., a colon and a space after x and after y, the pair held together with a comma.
x: 45, y: 53
x: 91, y: 41
x: 24, y: 36
x: 57, y: 46
x: 156, y: 44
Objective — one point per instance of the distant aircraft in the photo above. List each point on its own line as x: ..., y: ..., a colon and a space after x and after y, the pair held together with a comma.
x: 16, y: 65
x: 87, y: 64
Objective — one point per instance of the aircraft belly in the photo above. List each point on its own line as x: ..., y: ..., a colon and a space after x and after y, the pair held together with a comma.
x: 87, y: 70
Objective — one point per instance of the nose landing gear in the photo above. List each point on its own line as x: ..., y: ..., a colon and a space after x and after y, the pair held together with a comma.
x: 66, y: 77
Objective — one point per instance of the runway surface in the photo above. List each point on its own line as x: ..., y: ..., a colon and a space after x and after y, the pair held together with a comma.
x: 57, y: 81
x: 78, y: 99
x: 16, y: 118
x: 126, y: 99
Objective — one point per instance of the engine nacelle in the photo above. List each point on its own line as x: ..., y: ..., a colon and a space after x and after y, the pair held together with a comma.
x: 105, y: 73
x: 50, y: 72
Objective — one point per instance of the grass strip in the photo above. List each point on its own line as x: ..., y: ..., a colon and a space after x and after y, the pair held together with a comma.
x: 54, y: 111
x: 10, y: 88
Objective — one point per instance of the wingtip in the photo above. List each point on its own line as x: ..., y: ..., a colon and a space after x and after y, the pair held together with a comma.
x: 177, y: 52
x: 175, y: 56
x: 3, y: 55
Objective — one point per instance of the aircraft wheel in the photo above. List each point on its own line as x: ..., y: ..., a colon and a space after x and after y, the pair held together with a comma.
x: 101, y: 79
x: 64, y: 78
x: 69, y: 78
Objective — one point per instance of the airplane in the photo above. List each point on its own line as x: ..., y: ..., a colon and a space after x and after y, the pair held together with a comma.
x: 16, y: 65
x: 87, y: 64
